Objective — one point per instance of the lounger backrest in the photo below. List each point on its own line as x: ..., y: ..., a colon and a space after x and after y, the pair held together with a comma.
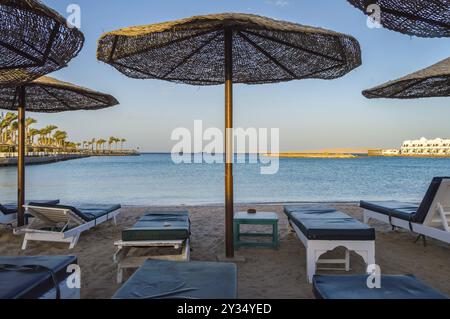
x: 438, y: 193
x: 54, y: 215
x: 74, y: 210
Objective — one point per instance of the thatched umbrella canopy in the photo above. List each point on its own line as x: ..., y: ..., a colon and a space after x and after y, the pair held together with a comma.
x: 49, y: 95
x: 422, y: 18
x: 46, y: 95
x: 433, y: 81
x: 264, y: 50
x: 225, y: 49
x: 34, y: 40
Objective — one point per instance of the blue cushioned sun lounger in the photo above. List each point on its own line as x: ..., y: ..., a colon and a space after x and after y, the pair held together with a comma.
x: 430, y: 218
x: 159, y: 226
x: 355, y: 287
x: 329, y: 224
x: 36, y: 278
x: 63, y: 223
x: 8, y: 209
x: 8, y: 212
x: 322, y: 229
x: 181, y: 280
x: 157, y: 229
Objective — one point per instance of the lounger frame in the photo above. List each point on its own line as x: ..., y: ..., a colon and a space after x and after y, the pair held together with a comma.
x: 124, y: 261
x: 420, y: 229
x: 7, y: 219
x: 437, y: 222
x: 316, y: 248
x: 66, y: 293
x: 62, y: 217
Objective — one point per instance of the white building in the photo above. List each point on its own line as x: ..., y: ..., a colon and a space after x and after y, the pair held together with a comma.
x: 425, y: 147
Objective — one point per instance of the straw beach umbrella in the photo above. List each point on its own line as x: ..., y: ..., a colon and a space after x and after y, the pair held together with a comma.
x: 433, y: 81
x: 422, y: 18
x: 46, y: 95
x: 34, y: 41
x: 225, y: 49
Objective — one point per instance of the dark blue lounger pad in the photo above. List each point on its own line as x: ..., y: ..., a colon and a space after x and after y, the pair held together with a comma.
x: 306, y: 209
x: 181, y: 280
x: 416, y: 213
x: 401, y: 210
x: 355, y: 287
x: 322, y: 223
x: 9, y: 209
x: 160, y: 226
x: 31, y: 284
x: 88, y: 212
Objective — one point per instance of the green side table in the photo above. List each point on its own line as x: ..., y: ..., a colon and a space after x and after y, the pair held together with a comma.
x: 260, y: 218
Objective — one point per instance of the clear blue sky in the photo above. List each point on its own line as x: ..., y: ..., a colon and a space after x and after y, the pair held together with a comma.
x: 311, y: 114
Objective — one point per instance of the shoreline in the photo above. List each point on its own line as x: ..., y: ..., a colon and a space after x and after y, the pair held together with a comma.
x: 41, y: 160
x: 281, y: 203
x: 48, y: 159
x: 314, y: 155
x: 219, y: 205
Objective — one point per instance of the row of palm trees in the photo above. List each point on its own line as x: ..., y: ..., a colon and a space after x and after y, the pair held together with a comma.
x: 50, y: 139
x: 102, y: 145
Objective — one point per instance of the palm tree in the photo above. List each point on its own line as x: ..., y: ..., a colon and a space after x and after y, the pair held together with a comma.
x: 5, y: 123
x: 3, y: 126
x: 93, y: 142
x: 98, y: 145
x: 70, y: 146
x: 42, y: 134
x: 60, y: 138
x: 50, y: 129
x: 102, y: 143
x: 29, y: 121
x: 31, y: 134
x: 13, y: 127
x: 121, y: 143
x: 111, y: 142
x: 7, y: 128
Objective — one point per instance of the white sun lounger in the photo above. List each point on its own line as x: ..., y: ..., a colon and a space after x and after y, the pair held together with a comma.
x: 429, y: 219
x: 8, y: 212
x: 64, y: 224
x: 155, y: 230
x: 323, y: 229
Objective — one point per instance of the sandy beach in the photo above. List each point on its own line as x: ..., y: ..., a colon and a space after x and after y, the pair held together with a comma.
x: 265, y: 274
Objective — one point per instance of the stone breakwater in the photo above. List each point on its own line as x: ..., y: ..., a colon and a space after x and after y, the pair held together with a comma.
x: 39, y: 160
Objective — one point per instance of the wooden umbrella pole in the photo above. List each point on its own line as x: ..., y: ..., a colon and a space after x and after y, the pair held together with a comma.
x: 229, y: 153
x: 21, y: 159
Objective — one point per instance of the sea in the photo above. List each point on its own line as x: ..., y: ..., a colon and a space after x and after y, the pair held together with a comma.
x: 154, y: 179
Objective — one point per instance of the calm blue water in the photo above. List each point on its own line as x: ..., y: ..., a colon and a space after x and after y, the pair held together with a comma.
x: 152, y: 179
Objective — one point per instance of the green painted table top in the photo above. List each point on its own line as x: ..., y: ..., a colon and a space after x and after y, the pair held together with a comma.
x: 259, y: 216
